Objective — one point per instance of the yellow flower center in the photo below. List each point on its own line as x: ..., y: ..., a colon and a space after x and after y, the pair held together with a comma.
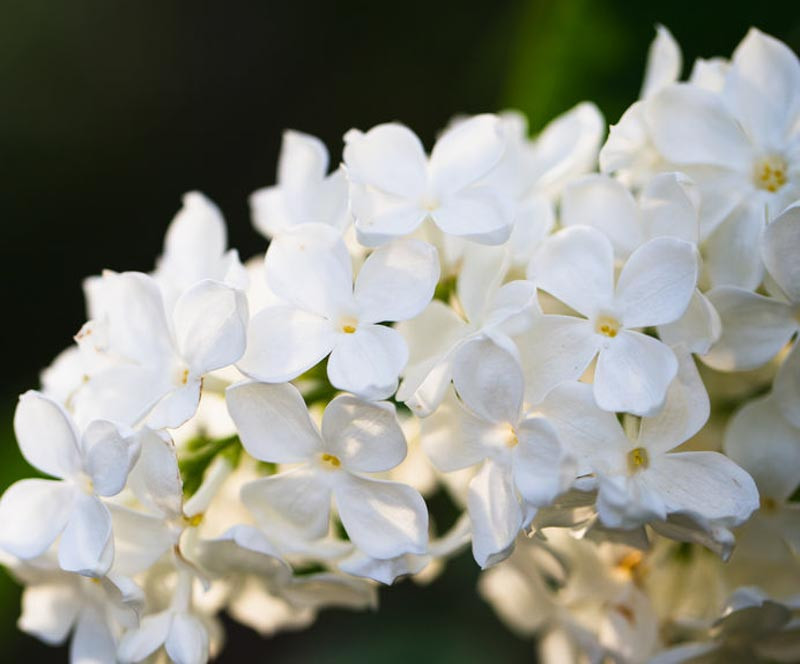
x: 607, y: 326
x: 348, y: 325
x: 193, y: 521
x: 330, y: 460
x: 638, y: 459
x: 770, y: 173
x: 510, y: 435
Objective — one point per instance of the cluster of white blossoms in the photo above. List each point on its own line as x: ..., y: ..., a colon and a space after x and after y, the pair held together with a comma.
x: 494, y: 323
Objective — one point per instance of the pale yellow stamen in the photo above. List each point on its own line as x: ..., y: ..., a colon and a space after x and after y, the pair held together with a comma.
x: 638, y: 459
x: 193, y: 521
x: 185, y: 377
x: 331, y: 460
x: 510, y: 435
x: 770, y: 173
x: 607, y: 326
x: 348, y: 329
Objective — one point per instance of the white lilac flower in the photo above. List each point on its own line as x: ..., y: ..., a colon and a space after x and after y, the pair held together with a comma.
x: 34, y: 513
x: 384, y: 519
x: 326, y: 314
x: 638, y: 477
x: 576, y: 266
x: 305, y: 193
x: 394, y: 186
x: 523, y: 466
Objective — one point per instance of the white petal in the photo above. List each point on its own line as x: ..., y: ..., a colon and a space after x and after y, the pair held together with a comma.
x: 379, y: 216
x: 138, y: 644
x: 754, y: 329
x: 633, y: 373
x: 576, y: 266
x: 780, y: 250
x: 594, y: 436
x: 92, y: 641
x: 425, y: 385
x: 389, y: 157
x: 283, y: 342
x: 692, y: 126
x: 786, y: 387
x: 365, y: 436
x: 298, y: 499
x: 557, y: 349
x: 110, y: 455
x: 657, y: 282
x: 466, y: 153
x: 670, y: 203
x: 698, y: 329
x: 453, y: 438
x: 383, y: 571
x: 483, y: 269
x: 303, y: 160
x: 177, y: 406
x: 273, y: 421
x: 542, y: 468
x: 605, y: 204
x: 397, y: 281
x: 760, y: 440
x: 495, y: 513
x: 628, y: 502
x: 155, y: 479
x: 513, y: 309
x: 685, y: 410
x: 245, y: 550
x: 140, y: 539
x: 383, y: 519
x: 187, y: 641
x: 87, y: 546
x: 628, y: 145
x: 763, y: 85
x: 32, y: 515
x: 368, y: 361
x: 49, y: 611
x: 731, y: 251
x: 489, y: 381
x: 309, y: 268
x: 481, y: 214
x: 704, y: 485
x: 210, y: 326
x: 664, y: 63
x: 137, y: 324
x: 46, y: 435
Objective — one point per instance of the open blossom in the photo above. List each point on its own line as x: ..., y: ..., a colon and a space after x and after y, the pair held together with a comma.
x: 523, y: 465
x: 305, y: 193
x: 655, y: 286
x: 394, y: 186
x: 326, y: 314
x: 383, y: 518
x: 36, y: 512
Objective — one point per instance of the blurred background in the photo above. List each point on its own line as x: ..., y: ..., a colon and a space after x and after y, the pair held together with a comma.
x: 111, y: 110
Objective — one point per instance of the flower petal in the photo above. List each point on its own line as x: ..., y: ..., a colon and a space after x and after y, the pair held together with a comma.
x: 605, y: 204
x: 368, y: 361
x: 379, y: 216
x: 210, y: 326
x: 786, y: 387
x: 692, y: 126
x: 155, y: 479
x: 47, y: 436
x: 139, y: 643
x: 576, y: 266
x: 754, y: 329
x: 87, y: 546
x: 32, y: 515
x: 283, y: 342
x: 480, y: 213
x: 762, y: 442
x: 489, y: 381
x: 633, y: 373
x: 397, y: 281
x: 299, y: 500
x: 49, y: 611
x: 364, y: 435
x: 731, y: 251
x: 92, y: 640
x: 664, y: 63
x: 495, y: 513
x: 698, y: 329
x: 389, y: 157
x: 704, y: 485
x: 466, y: 152
x: 177, y: 406
x: 542, y: 468
x: 187, y: 641
x: 110, y: 455
x: 557, y: 349
x: 780, y: 250
x: 273, y: 421
x: 657, y: 282
x: 383, y: 519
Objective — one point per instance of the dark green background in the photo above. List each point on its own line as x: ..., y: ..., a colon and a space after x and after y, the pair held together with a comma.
x: 110, y: 110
